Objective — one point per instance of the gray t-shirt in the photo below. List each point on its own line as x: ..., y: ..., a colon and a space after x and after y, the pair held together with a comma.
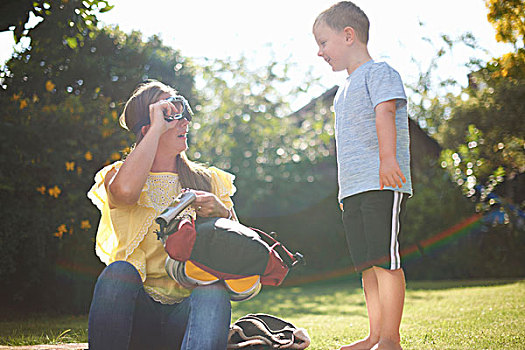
x: 355, y: 128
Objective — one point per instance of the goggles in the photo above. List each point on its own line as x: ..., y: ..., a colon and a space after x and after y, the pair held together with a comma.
x: 180, y: 103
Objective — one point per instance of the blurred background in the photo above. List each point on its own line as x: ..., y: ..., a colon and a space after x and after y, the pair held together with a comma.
x: 263, y: 112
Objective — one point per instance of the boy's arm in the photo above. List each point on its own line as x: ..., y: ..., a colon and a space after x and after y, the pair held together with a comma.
x: 389, y: 172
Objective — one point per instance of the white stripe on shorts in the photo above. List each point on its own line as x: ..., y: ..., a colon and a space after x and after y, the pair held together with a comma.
x: 395, y: 260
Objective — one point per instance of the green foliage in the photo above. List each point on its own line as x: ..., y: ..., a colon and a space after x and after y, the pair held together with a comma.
x: 75, y: 16
x: 60, y: 105
x: 243, y: 127
x: 480, y: 127
x: 431, y: 102
x: 435, y: 206
x: 481, y: 130
x: 508, y: 18
x: 485, y: 136
x: 61, y: 97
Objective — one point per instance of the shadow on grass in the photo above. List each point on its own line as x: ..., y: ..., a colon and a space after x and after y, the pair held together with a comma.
x: 342, y: 296
x: 319, y: 298
x: 453, y: 284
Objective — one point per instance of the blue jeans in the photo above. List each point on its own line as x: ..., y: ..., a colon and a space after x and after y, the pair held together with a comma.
x: 123, y: 316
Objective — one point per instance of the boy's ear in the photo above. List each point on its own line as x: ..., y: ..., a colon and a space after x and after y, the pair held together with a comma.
x: 144, y: 130
x: 349, y: 33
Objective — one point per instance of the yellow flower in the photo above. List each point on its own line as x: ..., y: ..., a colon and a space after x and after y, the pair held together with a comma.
x: 88, y: 156
x: 54, y: 192
x: 23, y: 104
x: 16, y: 97
x: 70, y: 166
x: 50, y: 86
x: 85, y: 225
x: 115, y: 156
x: 79, y: 170
x: 114, y: 115
x: 41, y: 189
x: 60, y: 231
x: 35, y: 98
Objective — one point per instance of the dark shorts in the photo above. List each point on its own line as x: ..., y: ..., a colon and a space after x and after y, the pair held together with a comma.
x: 373, y: 222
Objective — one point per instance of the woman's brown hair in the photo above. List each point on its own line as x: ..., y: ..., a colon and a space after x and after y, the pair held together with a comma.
x: 136, y: 114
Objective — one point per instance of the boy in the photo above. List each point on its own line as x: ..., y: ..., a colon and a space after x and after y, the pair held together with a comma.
x: 371, y: 126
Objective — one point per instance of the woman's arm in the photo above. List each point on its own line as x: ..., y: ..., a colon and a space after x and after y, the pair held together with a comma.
x: 124, y: 187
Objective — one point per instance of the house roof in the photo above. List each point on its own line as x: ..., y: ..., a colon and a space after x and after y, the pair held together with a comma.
x: 421, y: 143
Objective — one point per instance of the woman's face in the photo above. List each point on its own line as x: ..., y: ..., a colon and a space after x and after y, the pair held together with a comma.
x: 176, y: 138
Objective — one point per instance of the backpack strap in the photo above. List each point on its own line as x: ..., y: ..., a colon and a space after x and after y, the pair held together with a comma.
x: 291, y: 260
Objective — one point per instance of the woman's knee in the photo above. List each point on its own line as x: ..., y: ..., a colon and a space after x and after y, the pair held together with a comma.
x: 209, y: 318
x: 216, y: 292
x: 213, y: 301
x: 120, y: 274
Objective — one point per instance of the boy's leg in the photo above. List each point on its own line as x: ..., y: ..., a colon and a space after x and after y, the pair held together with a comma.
x: 373, y: 306
x: 382, y: 220
x: 357, y: 244
x: 391, y: 287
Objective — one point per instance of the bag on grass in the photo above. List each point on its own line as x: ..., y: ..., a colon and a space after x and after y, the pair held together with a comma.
x: 262, y: 331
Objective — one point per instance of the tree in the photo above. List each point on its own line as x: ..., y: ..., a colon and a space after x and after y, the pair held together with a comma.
x: 60, y: 108
x: 244, y: 116
x: 482, y: 132
x: 79, y: 15
x: 485, y: 133
x: 508, y: 19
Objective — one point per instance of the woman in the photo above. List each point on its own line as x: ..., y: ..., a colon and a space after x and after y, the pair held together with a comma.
x: 135, y: 303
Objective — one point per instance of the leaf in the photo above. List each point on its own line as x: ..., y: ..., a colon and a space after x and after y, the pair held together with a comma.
x: 72, y: 42
x: 106, y: 9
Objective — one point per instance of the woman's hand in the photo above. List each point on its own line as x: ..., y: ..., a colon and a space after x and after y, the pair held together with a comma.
x: 157, y: 113
x: 208, y: 205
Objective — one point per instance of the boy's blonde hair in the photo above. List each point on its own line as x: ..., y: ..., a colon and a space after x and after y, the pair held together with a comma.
x: 345, y: 14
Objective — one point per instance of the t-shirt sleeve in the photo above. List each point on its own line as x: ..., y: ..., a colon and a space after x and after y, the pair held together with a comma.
x: 384, y: 84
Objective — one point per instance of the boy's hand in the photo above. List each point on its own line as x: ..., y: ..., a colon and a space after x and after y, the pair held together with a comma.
x: 390, y: 174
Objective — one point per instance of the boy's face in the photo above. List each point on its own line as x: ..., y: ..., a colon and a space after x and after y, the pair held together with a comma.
x: 333, y: 46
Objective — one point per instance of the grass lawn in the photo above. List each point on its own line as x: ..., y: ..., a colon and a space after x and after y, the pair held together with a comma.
x: 438, y: 315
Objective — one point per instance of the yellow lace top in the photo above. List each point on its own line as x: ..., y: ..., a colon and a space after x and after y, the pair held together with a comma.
x: 128, y: 233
